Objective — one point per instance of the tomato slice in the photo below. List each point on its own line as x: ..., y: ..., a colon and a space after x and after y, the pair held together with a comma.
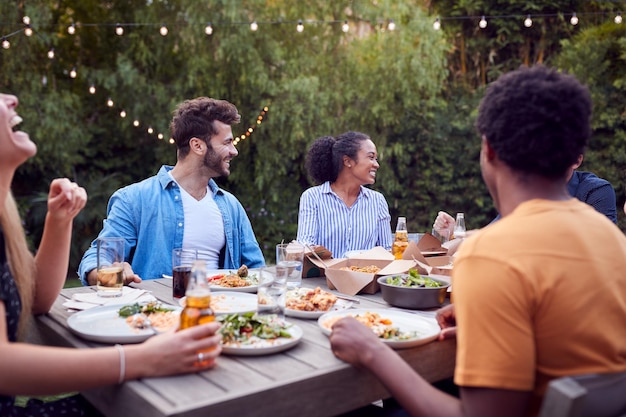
x: 215, y: 277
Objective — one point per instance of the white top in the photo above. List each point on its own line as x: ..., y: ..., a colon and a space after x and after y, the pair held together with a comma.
x: 204, y: 227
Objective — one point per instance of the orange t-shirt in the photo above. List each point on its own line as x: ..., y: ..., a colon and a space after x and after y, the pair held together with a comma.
x: 538, y: 295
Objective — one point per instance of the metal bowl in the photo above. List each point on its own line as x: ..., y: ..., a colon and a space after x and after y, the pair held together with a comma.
x: 414, y: 297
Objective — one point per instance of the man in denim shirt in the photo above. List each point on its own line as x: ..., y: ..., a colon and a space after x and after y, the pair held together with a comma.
x: 182, y: 206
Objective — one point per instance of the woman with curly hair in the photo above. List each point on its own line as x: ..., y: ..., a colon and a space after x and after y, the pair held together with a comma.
x: 340, y: 213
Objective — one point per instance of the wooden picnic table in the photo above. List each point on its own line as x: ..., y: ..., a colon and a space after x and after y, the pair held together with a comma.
x: 307, y: 380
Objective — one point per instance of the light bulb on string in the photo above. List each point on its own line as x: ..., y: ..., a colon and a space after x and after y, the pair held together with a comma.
x: 266, y: 108
x: 618, y: 18
x: 150, y: 130
x: 254, y: 26
x: 171, y: 141
x: 160, y: 136
x: 73, y: 73
x: 483, y: 23
x: 208, y: 29
x: 119, y: 30
x: 26, y: 20
x: 345, y: 27
x: 71, y: 29
x: 136, y: 123
x: 28, y: 31
x: 574, y: 19
x: 300, y: 27
x: 92, y: 89
x: 528, y: 22
x: 110, y: 102
x: 391, y: 25
x: 51, y: 53
x: 5, y: 43
x: 163, y: 31
x: 437, y: 24
x: 123, y: 114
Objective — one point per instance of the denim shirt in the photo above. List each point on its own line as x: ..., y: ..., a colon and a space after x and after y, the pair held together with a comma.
x: 595, y: 191
x: 149, y: 216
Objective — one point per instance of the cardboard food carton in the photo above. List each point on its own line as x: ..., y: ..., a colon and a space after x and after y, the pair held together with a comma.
x: 431, y: 265
x: 429, y: 245
x: 353, y: 282
x: 314, y: 266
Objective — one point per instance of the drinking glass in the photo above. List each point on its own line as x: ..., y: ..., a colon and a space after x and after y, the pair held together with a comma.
x: 182, y: 260
x: 110, y: 270
x: 290, y: 256
x: 271, y: 291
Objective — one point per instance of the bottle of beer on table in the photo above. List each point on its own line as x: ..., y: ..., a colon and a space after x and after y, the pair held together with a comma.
x: 197, y: 308
x: 197, y: 298
x: 401, y: 240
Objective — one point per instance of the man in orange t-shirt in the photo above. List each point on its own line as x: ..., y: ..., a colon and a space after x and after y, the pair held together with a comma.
x: 540, y: 293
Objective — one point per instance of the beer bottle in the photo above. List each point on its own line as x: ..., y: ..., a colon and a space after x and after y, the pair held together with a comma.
x: 401, y: 240
x: 197, y: 298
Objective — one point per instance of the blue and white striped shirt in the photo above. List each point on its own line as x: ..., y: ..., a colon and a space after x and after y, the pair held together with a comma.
x: 324, y: 219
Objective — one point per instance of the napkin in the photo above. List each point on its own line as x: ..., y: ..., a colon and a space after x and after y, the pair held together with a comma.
x: 85, y: 301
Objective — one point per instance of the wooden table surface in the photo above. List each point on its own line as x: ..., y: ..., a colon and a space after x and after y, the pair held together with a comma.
x: 307, y: 380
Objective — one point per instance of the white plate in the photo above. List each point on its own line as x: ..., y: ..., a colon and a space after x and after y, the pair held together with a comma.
x: 340, y: 304
x: 266, y: 347
x: 213, y: 272
x: 229, y: 302
x: 427, y: 329
x: 103, y: 324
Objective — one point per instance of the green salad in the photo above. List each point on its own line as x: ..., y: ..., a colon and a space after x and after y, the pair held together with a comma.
x: 414, y: 279
x: 242, y: 328
x: 149, y: 308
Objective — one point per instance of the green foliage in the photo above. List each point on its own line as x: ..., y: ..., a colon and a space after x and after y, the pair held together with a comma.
x: 413, y: 90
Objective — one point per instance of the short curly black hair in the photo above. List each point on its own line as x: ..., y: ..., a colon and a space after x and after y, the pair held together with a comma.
x: 324, y: 160
x: 195, y: 117
x: 537, y: 120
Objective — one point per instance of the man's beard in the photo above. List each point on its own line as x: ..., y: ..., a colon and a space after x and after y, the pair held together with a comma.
x: 213, y: 162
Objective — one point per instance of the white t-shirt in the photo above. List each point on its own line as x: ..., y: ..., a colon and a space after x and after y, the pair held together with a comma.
x: 204, y: 227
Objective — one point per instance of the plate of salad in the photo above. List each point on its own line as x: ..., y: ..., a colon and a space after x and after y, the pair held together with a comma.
x: 252, y: 334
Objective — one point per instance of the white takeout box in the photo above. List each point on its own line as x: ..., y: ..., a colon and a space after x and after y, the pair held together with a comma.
x: 352, y: 282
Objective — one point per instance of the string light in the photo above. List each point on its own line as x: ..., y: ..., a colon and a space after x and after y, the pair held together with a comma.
x: 300, y: 27
x: 618, y: 18
x: 254, y: 26
x: 163, y: 31
x: 51, y: 53
x: 437, y: 24
x: 528, y: 22
x: 26, y: 20
x: 574, y: 19
x: 71, y: 29
x: 92, y: 89
x: 136, y: 123
x: 28, y: 31
x: 160, y: 136
x: 123, y: 114
x: 172, y: 141
x: 73, y: 73
x: 345, y: 27
x: 208, y: 29
x: 483, y: 23
x: 392, y: 25
x: 110, y: 102
x: 150, y: 130
x: 5, y: 43
x: 119, y: 30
